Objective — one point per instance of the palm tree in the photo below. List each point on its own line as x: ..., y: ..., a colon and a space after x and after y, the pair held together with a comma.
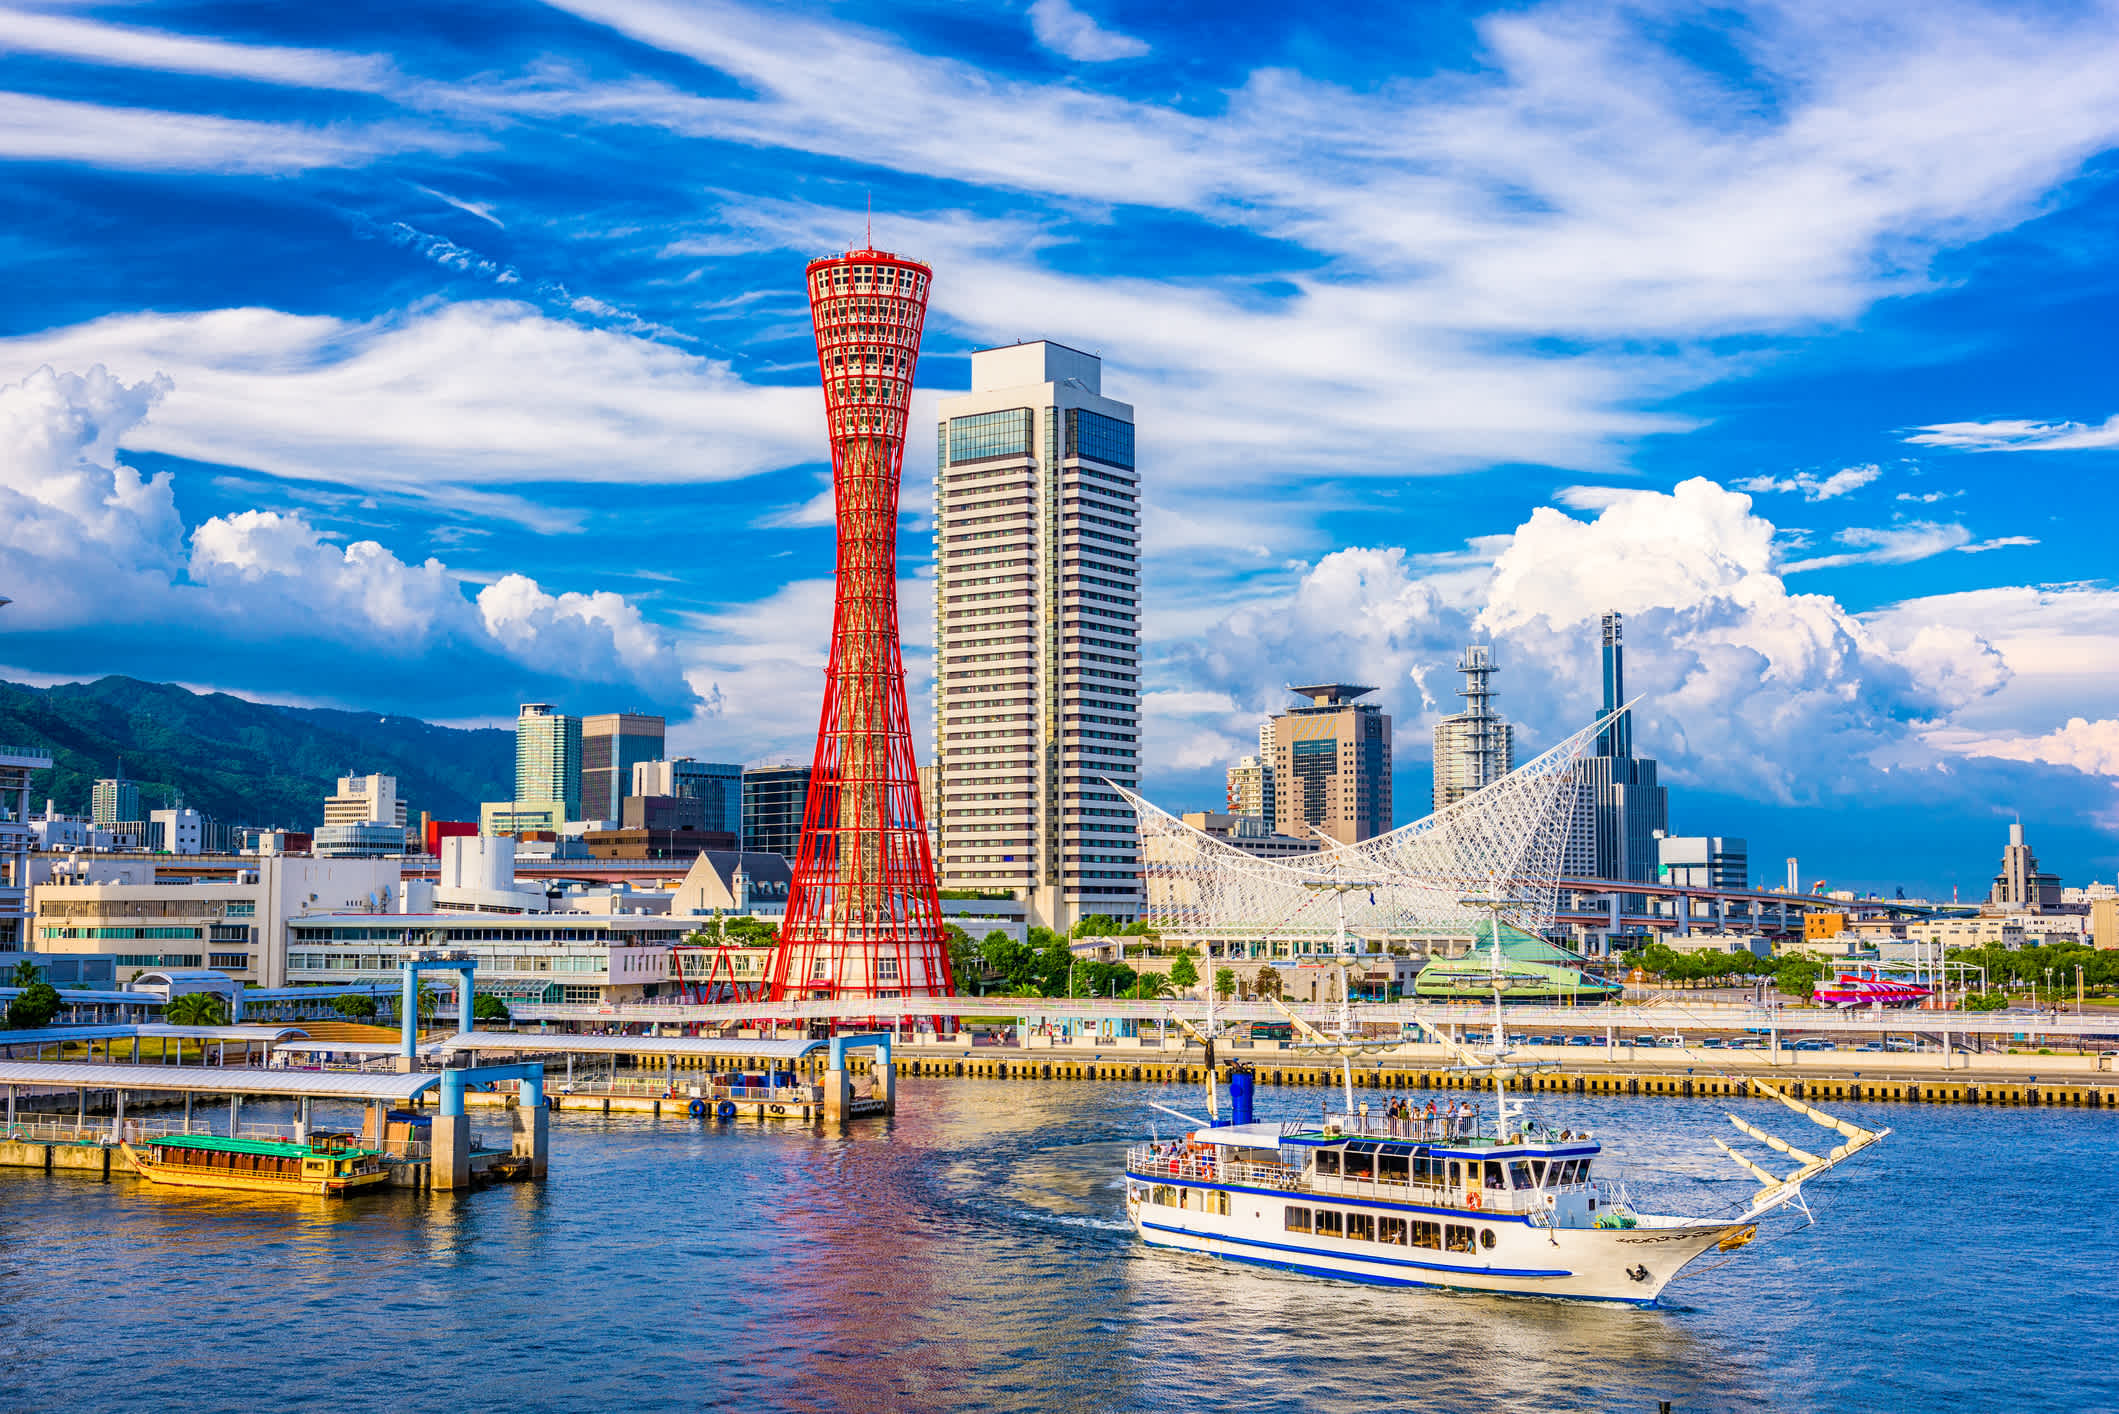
x: 196, y: 1009
x: 24, y: 975
x: 1149, y: 986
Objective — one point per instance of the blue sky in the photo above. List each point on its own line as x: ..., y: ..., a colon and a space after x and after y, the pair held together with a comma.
x: 434, y: 358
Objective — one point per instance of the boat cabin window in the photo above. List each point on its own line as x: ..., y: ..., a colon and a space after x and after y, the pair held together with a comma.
x: 1519, y: 1174
x: 1360, y: 1161
x: 1391, y: 1230
x: 1494, y: 1178
x: 1425, y: 1169
x: 1328, y: 1161
x: 1427, y: 1234
x: 1537, y: 1171
x: 1360, y: 1227
x: 1394, y: 1165
x: 1328, y: 1224
x: 1454, y: 1177
x: 1298, y: 1219
x: 1457, y: 1239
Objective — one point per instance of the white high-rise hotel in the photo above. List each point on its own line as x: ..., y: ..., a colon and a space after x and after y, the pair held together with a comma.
x: 1037, y: 635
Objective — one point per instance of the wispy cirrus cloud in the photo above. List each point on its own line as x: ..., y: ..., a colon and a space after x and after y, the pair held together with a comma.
x: 1064, y: 29
x: 2019, y: 436
x: 122, y: 46
x: 40, y: 129
x: 1814, y: 487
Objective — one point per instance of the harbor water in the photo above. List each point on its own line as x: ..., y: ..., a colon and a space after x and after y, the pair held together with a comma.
x: 972, y: 1254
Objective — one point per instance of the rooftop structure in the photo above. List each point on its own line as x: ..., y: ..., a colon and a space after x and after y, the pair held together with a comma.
x: 1330, y: 764
x: 1476, y: 747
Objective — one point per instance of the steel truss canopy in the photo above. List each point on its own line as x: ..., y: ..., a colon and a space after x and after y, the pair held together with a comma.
x: 1505, y: 843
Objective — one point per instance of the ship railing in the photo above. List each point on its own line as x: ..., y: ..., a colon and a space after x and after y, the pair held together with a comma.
x: 1155, y: 1161
x: 40, y: 1129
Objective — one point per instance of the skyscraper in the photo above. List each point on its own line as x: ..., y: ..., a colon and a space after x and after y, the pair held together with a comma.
x: 1331, y: 764
x: 773, y: 801
x: 2020, y: 884
x: 612, y: 743
x: 716, y: 785
x: 1476, y: 747
x: 115, y: 800
x: 548, y: 758
x: 1625, y: 807
x: 863, y: 918
x: 1037, y: 635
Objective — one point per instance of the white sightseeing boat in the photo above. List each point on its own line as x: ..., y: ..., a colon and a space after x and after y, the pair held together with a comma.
x: 1447, y: 1198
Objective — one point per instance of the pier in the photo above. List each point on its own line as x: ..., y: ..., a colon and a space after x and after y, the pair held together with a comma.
x: 450, y: 1158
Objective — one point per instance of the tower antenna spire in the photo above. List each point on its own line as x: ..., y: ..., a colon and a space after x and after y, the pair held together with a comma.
x: 871, y: 221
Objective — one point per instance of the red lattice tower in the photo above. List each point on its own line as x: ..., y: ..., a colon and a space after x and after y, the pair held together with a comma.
x: 863, y: 918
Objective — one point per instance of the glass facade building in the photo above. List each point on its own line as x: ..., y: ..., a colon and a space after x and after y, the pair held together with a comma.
x: 773, y: 801
x: 548, y: 757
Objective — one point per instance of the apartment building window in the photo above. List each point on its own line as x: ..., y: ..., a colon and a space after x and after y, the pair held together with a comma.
x: 232, y: 961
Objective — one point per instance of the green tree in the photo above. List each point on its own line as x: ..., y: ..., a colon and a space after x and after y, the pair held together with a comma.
x: 196, y: 1009
x: 1184, y: 973
x: 1797, y: 976
x: 1096, y: 925
x: 354, y: 1008
x: 966, y: 967
x: 1987, y: 1001
x: 35, y: 1007
x: 1053, y: 962
x: 750, y: 932
x: 1148, y: 986
x: 24, y: 975
x: 1225, y: 982
x: 489, y: 1008
x: 1267, y: 982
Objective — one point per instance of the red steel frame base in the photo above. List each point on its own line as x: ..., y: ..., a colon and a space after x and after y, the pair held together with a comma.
x: 863, y: 918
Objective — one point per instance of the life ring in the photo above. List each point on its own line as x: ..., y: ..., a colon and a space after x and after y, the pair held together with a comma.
x: 698, y: 1108
x: 727, y: 1109
x: 779, y: 1109
x: 1471, y: 1200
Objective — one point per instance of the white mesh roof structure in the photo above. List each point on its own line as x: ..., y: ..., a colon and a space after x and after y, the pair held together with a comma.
x: 1505, y: 840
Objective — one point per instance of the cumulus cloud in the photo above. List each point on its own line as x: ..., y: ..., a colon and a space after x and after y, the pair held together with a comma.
x: 1062, y: 28
x: 1813, y: 487
x: 96, y: 550
x: 1748, y: 687
x: 2019, y: 436
x: 2086, y: 746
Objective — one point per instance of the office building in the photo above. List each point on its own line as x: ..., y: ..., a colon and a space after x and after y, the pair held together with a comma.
x: 1331, y: 763
x: 612, y: 744
x: 1477, y: 746
x: 2020, y: 884
x: 115, y: 801
x: 1037, y: 635
x: 179, y: 830
x: 17, y: 839
x: 1249, y: 834
x: 548, y: 758
x: 1247, y: 788
x: 774, y: 798
x: 716, y: 785
x: 118, y: 909
x: 1703, y: 862
x: 1618, y: 794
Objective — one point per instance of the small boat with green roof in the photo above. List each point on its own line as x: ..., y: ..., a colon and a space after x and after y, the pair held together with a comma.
x: 331, y: 1165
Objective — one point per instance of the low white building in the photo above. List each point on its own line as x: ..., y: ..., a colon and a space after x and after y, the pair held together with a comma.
x: 117, y: 908
x: 545, y: 957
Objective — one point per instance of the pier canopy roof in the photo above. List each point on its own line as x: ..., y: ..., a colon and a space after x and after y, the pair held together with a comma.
x: 219, y: 1080
x: 760, y: 1049
x: 127, y: 1031
x: 1506, y: 840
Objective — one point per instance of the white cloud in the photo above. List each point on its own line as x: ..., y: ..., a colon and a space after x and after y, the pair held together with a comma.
x: 95, y: 549
x: 147, y: 140
x: 29, y: 31
x: 2086, y: 746
x: 1999, y: 542
x: 2007, y: 436
x: 1889, y: 545
x: 1062, y: 28
x: 1815, y: 488
x: 1747, y: 686
x: 484, y: 394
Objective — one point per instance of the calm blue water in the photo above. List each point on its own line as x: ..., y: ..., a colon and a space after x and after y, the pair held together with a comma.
x: 971, y: 1254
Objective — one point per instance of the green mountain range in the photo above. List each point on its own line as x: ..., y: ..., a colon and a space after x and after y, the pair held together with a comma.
x: 244, y: 762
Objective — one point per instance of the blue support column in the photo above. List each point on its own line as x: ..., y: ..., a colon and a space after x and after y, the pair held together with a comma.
x: 463, y: 997
x: 408, y: 1017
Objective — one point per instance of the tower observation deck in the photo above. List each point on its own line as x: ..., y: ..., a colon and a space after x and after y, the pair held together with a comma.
x: 863, y: 918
